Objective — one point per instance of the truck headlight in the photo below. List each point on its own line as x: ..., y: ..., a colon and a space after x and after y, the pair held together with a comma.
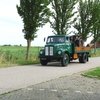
x: 41, y: 52
x: 59, y: 52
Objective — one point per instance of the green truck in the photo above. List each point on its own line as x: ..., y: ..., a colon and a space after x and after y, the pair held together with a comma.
x: 64, y: 49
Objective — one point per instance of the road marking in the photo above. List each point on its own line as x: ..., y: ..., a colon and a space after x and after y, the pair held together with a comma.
x: 29, y: 89
x: 52, y: 90
x: 90, y: 92
x: 41, y: 89
x: 78, y: 91
x: 65, y: 91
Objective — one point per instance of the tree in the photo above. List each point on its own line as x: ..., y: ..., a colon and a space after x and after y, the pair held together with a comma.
x: 95, y: 30
x: 84, y: 22
x: 99, y: 39
x: 61, y: 14
x: 34, y: 13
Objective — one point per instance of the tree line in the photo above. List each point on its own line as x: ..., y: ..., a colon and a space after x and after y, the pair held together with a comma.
x: 61, y: 15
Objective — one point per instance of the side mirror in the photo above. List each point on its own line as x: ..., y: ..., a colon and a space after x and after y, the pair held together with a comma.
x: 44, y: 39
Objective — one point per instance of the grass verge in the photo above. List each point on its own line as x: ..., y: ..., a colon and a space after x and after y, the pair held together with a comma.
x: 20, y: 63
x: 93, y: 73
x: 14, y: 56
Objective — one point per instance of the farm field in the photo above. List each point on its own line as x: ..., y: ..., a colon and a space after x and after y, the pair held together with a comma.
x: 15, y: 55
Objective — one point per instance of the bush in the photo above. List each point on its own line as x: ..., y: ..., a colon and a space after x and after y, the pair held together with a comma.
x: 97, y: 52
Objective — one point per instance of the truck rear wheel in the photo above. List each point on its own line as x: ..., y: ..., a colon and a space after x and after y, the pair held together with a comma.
x: 43, y: 62
x: 83, y: 58
x: 65, y: 60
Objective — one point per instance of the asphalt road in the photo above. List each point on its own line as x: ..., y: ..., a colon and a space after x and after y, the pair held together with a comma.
x: 23, y: 76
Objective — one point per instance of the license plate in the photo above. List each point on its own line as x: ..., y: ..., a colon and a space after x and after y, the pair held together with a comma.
x: 43, y: 58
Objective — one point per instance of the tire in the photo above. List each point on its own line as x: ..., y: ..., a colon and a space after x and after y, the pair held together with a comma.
x: 87, y: 58
x: 80, y: 59
x: 83, y: 58
x: 65, y: 60
x: 43, y: 62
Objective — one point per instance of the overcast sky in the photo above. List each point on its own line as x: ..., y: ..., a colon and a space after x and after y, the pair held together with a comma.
x: 11, y: 26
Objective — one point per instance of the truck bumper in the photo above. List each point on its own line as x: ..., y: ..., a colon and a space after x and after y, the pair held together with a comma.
x: 50, y: 57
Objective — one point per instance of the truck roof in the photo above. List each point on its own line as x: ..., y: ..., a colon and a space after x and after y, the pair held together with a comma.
x: 59, y: 35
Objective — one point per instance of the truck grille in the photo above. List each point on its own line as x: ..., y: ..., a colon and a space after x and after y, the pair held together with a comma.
x: 49, y: 51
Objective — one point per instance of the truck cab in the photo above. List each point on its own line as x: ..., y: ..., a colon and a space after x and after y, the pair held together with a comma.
x: 59, y: 48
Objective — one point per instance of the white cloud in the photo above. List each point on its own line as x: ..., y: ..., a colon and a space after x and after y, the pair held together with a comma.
x: 42, y: 33
x: 10, y: 22
x: 11, y: 26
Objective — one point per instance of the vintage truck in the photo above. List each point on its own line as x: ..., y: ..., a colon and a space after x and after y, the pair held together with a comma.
x: 64, y: 49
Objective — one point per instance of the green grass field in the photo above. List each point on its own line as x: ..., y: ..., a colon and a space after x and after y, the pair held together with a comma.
x: 15, y: 55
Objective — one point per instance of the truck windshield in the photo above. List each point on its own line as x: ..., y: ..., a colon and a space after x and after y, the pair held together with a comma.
x: 56, y: 39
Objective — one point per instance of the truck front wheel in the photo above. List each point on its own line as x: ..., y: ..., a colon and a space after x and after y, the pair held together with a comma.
x: 43, y: 62
x: 65, y: 60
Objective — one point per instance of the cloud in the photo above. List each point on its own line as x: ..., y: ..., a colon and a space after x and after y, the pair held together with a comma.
x: 8, y: 9
x: 10, y: 23
x: 11, y: 26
